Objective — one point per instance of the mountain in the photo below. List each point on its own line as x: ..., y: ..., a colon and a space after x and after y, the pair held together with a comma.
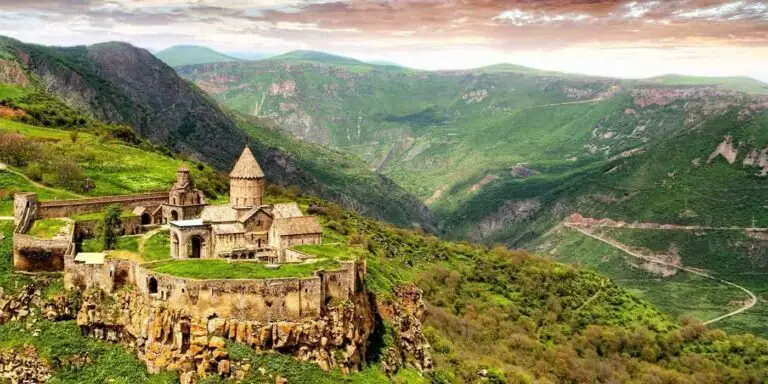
x: 120, y: 84
x: 737, y: 83
x: 317, y: 57
x: 445, y: 312
x: 505, y: 154
x: 179, y: 55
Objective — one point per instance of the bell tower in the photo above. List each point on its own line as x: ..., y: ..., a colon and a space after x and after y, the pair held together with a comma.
x: 246, y: 182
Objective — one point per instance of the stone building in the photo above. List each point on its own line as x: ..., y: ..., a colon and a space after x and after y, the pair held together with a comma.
x: 245, y: 228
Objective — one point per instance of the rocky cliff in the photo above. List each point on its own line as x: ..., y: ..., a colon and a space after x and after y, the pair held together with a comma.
x: 169, y: 339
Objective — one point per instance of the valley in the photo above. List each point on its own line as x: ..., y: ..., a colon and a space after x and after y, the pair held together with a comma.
x: 660, y: 289
x: 505, y: 153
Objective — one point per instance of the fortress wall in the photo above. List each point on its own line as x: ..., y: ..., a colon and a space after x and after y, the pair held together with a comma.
x: 32, y: 254
x: 341, y: 284
x: 65, y: 208
x: 260, y: 300
x: 110, y: 276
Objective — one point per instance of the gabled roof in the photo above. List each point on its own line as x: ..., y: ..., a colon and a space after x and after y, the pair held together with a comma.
x: 248, y: 214
x: 139, y: 210
x: 286, y: 210
x: 219, y: 213
x: 247, y: 167
x: 297, y: 225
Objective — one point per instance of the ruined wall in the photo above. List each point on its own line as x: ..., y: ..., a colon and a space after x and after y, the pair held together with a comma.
x: 65, y: 208
x: 31, y: 254
x: 341, y: 284
x: 22, y: 201
x: 109, y: 277
x: 130, y: 226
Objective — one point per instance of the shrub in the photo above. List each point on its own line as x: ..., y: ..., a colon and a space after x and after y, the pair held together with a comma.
x: 110, y: 227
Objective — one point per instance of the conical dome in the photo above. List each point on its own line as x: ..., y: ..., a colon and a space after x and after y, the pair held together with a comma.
x: 246, y: 167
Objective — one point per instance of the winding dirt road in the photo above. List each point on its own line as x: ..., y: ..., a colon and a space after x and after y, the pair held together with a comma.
x: 749, y: 304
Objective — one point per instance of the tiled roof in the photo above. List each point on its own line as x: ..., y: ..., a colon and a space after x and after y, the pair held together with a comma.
x: 286, y: 210
x: 246, y: 167
x: 219, y: 214
x: 297, y: 225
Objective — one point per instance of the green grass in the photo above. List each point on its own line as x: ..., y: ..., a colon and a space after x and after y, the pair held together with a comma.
x: 9, y: 282
x: 60, y: 341
x: 683, y: 294
x: 98, y: 215
x: 334, y: 246
x: 10, y: 183
x: 157, y: 247
x: 47, y: 228
x: 730, y: 255
x: 221, y: 269
x: 115, y: 168
x: 124, y: 243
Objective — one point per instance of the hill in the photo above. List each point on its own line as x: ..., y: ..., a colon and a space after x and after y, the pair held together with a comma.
x: 123, y: 86
x: 180, y: 55
x: 489, y: 314
x: 737, y: 83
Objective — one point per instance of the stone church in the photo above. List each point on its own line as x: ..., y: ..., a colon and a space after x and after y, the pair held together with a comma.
x: 246, y: 228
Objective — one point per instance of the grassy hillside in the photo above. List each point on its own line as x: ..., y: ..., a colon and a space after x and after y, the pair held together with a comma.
x: 490, y: 149
x: 493, y: 314
x: 126, y: 93
x: 179, y: 55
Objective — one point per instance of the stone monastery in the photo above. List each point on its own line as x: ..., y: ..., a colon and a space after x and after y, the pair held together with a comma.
x: 244, y: 231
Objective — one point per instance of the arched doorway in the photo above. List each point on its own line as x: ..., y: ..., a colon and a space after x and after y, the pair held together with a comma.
x: 146, y: 219
x: 174, y: 215
x: 197, y: 246
x: 152, y: 285
x: 175, y: 244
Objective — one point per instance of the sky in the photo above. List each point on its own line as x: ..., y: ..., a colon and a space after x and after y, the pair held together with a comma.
x: 600, y: 37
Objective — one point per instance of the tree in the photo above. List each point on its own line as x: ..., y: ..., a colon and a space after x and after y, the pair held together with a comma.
x: 110, y: 227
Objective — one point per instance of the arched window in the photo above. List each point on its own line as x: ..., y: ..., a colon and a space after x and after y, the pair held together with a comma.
x: 152, y: 285
x: 175, y: 244
x: 174, y: 215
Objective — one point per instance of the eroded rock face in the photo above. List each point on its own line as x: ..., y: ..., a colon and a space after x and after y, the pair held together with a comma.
x: 12, y: 73
x: 171, y: 339
x: 411, y: 347
x: 24, y: 367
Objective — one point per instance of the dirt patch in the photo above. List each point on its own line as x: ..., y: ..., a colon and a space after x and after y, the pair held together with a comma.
x: 758, y: 159
x: 436, y: 195
x: 725, y: 149
x: 11, y: 113
x: 482, y: 183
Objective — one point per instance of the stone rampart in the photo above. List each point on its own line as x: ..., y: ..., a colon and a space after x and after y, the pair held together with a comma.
x: 260, y: 300
x: 131, y: 225
x: 65, y: 208
x: 32, y: 254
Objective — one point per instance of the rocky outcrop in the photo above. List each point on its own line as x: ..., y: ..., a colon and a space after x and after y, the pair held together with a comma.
x: 24, y: 367
x: 172, y: 339
x: 513, y: 211
x: 411, y: 347
x: 12, y: 73
x: 726, y: 150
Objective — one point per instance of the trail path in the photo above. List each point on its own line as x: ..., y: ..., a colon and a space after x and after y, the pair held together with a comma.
x: 595, y: 100
x: 5, y: 168
x: 143, y: 239
x: 6, y: 218
x: 749, y: 304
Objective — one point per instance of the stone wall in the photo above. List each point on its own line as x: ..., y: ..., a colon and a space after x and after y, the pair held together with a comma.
x: 261, y: 300
x: 32, y: 254
x: 66, y: 208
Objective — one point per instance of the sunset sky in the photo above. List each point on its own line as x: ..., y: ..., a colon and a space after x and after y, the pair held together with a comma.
x: 604, y: 37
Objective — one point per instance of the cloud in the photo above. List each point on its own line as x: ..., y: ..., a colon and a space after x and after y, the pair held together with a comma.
x: 491, y: 29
